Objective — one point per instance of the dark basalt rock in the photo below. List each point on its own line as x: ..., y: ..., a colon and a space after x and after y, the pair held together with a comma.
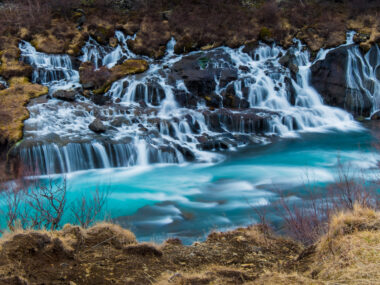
x: 376, y: 116
x: 329, y: 79
x: 100, y: 99
x: 289, y: 61
x: 231, y: 100
x: 119, y: 121
x: 185, y: 99
x: 65, y: 95
x: 155, y: 93
x: 97, y: 126
x: 226, y: 76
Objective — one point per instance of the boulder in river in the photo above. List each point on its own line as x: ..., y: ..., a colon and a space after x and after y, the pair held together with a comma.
x: 65, y: 95
x: 97, y: 126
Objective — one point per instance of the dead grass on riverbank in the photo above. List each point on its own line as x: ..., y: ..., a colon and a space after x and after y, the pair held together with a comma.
x: 108, y: 254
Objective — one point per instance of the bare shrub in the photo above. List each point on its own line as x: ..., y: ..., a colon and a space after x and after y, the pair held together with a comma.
x: 31, y: 14
x: 47, y: 203
x: 35, y: 205
x: 87, y: 208
x: 308, y: 221
x: 269, y: 14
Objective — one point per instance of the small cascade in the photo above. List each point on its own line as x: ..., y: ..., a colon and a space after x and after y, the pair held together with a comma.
x: 363, y: 78
x: 107, y: 56
x: 183, y: 108
x: 51, y: 70
x: 3, y: 82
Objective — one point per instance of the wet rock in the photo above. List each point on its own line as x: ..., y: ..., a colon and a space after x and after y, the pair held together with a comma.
x: 212, y: 121
x: 213, y: 100
x: 65, y: 95
x: 329, y: 79
x: 376, y: 116
x: 142, y: 128
x: 120, y: 121
x: 97, y: 126
x: 151, y: 92
x: 100, y: 99
x: 187, y: 153
x: 230, y: 100
x: 292, y: 94
x: 226, y: 76
x: 244, y: 68
x: 198, y: 81
x: 289, y: 60
x: 185, y: 99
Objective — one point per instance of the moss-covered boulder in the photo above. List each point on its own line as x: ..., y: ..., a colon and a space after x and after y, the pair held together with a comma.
x: 101, y: 79
x: 13, y: 111
x: 11, y: 66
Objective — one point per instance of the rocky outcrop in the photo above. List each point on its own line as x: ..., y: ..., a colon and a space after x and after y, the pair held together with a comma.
x: 102, y: 78
x: 201, y: 76
x: 329, y: 77
x: 340, y: 87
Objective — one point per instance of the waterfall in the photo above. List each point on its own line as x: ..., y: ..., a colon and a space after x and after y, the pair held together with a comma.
x: 107, y: 56
x: 183, y: 108
x: 3, y: 82
x: 55, y: 71
x: 363, y: 77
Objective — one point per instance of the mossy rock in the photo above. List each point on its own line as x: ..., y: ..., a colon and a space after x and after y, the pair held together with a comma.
x: 265, y: 35
x: 13, y: 111
x: 128, y: 67
x: 11, y: 66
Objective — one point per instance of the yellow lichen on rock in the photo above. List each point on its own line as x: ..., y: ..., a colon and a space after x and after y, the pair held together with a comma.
x: 13, y: 111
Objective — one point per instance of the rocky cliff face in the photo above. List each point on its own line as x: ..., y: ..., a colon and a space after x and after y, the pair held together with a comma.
x: 349, y: 79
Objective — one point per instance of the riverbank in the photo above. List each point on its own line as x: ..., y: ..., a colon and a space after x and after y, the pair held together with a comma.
x: 108, y: 254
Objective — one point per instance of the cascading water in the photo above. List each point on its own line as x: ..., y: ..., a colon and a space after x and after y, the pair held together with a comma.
x: 55, y: 71
x: 179, y: 110
x: 363, y: 77
x: 106, y: 56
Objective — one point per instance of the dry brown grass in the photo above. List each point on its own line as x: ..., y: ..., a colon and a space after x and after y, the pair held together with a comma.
x: 108, y: 254
x: 350, y: 252
x: 276, y: 278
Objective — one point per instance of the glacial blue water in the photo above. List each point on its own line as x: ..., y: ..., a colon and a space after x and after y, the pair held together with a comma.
x: 190, y: 200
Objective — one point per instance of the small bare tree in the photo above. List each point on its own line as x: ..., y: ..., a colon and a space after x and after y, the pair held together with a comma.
x: 87, y: 208
x: 12, y: 198
x: 47, y: 202
x: 34, y: 205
